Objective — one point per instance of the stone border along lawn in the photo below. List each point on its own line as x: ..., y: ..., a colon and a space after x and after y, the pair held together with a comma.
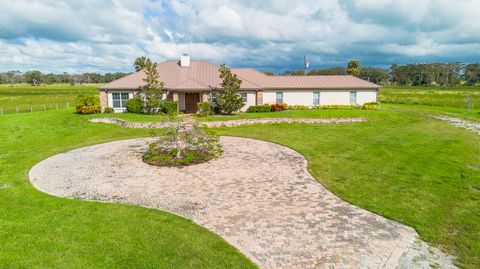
x: 471, y: 126
x: 258, y: 195
x: 229, y: 123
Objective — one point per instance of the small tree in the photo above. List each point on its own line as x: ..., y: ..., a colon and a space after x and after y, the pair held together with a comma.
x: 153, y: 90
x: 228, y: 100
x: 353, y: 68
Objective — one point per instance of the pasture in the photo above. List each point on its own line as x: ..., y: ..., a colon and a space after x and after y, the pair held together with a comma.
x: 461, y: 96
x: 39, y: 98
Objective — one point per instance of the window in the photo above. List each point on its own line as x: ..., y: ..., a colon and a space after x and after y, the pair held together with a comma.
x: 244, y: 96
x: 119, y: 99
x: 353, y: 97
x: 316, y: 98
x: 279, y: 98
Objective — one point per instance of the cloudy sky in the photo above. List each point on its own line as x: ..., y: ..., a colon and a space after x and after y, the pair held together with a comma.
x: 107, y: 35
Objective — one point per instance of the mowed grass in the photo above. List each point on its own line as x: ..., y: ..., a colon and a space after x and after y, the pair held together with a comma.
x: 38, y: 230
x: 26, y: 97
x: 401, y: 164
x: 461, y: 96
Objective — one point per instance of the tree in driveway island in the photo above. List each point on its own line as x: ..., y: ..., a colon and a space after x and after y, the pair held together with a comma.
x: 228, y: 100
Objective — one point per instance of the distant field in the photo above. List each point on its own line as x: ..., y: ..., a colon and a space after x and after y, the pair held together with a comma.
x: 462, y: 96
x: 38, y: 98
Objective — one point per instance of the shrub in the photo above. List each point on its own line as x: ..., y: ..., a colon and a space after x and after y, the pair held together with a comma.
x: 298, y: 107
x: 278, y: 107
x: 169, y: 107
x: 259, y: 109
x: 88, y: 104
x: 135, y: 105
x: 371, y: 106
x: 108, y: 110
x: 338, y: 107
x: 204, y: 109
x: 89, y: 109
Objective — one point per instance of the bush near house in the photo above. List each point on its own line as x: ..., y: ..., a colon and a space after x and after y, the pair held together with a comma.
x: 259, y: 109
x: 338, y: 107
x: 204, y: 109
x: 108, y: 110
x: 298, y: 107
x: 88, y: 104
x: 278, y: 107
x: 169, y: 107
x: 135, y: 105
x: 371, y: 106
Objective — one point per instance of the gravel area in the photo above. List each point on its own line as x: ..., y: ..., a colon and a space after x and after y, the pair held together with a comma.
x: 258, y: 196
x: 471, y: 126
x: 230, y: 123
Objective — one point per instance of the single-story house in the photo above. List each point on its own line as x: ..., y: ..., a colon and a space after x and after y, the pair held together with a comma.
x: 190, y: 82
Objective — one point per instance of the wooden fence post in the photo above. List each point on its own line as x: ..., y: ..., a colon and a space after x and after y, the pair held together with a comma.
x: 31, y: 109
x: 17, y: 109
x: 68, y: 104
x: 44, y: 108
x: 56, y: 105
x: 1, y: 110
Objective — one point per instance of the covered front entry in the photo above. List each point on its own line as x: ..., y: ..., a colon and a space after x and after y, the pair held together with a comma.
x: 191, y: 100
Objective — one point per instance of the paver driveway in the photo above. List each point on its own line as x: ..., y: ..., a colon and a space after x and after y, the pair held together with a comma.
x: 259, y: 196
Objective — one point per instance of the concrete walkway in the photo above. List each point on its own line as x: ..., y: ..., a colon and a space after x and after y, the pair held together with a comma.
x: 258, y: 196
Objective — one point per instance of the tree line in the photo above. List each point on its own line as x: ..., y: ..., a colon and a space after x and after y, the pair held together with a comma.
x: 426, y: 74
x: 35, y: 77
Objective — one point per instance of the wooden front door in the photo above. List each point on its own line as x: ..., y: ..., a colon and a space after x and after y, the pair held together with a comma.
x: 191, y: 100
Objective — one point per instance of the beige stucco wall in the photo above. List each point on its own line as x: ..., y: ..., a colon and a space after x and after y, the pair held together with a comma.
x: 327, y: 97
x: 251, y: 99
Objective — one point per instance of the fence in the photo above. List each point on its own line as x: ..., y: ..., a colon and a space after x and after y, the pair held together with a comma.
x: 33, y: 108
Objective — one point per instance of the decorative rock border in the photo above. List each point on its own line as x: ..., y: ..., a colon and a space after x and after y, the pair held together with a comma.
x: 230, y: 123
x: 471, y: 126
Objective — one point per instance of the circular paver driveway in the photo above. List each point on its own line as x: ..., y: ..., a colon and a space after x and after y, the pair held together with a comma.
x: 259, y: 196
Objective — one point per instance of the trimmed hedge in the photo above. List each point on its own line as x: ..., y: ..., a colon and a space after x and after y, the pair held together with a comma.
x: 338, y: 107
x: 89, y: 110
x: 298, y: 107
x: 88, y: 104
x: 371, y: 106
x: 134, y: 105
x: 259, y: 109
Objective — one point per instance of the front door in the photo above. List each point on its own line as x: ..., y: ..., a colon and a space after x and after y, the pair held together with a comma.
x: 191, y: 100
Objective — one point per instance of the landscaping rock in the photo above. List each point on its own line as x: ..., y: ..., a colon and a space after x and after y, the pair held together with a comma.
x: 229, y: 123
x: 471, y: 126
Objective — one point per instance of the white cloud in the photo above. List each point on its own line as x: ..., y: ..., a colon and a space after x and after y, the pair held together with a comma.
x: 107, y: 35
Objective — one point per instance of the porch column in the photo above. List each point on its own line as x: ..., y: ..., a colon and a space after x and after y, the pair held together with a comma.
x: 259, y: 99
x: 175, y: 99
x: 204, y: 97
x: 103, y: 100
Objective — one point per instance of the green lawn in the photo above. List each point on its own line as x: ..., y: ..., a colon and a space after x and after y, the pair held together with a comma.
x: 41, y: 231
x: 38, y: 98
x: 401, y: 164
x: 462, y: 96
